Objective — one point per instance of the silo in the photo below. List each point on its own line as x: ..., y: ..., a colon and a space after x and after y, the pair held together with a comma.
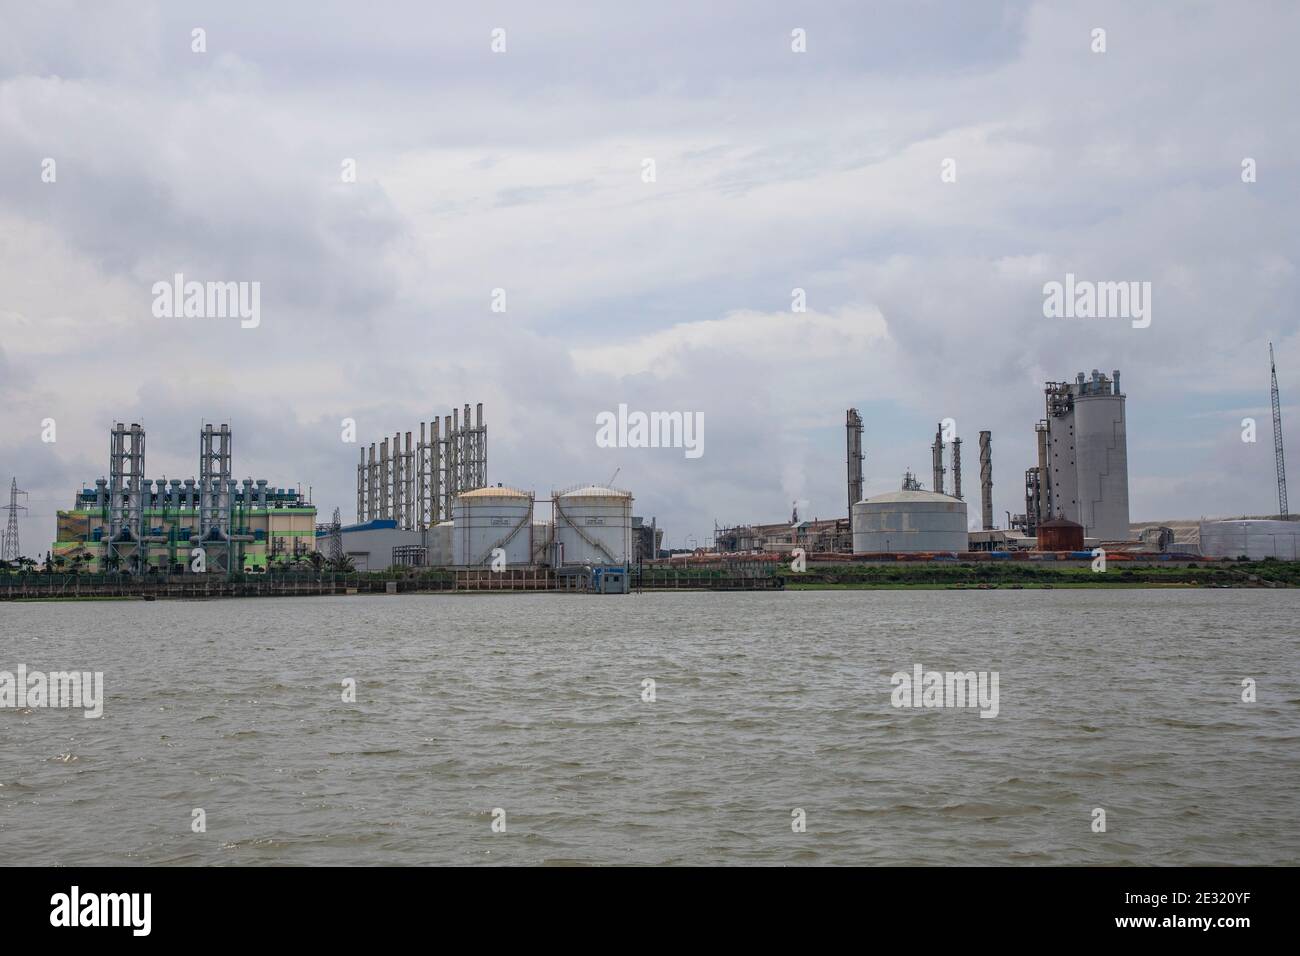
x: 910, y: 521
x: 488, y: 518
x: 1102, y: 454
x: 593, y: 525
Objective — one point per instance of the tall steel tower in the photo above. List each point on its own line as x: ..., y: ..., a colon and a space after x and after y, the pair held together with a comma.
x: 1277, y: 442
x: 853, y: 426
x: 10, y: 550
x: 336, y: 538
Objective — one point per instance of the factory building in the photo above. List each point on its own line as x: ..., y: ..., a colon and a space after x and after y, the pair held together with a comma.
x: 1256, y: 539
x: 378, y: 545
x: 1082, y: 471
x: 647, y: 539
x: 909, y: 520
x: 132, y: 523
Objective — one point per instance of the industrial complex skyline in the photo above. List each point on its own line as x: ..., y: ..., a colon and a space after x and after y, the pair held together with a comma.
x: 491, y: 248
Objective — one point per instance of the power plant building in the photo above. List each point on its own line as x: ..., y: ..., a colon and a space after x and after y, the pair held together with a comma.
x: 131, y: 523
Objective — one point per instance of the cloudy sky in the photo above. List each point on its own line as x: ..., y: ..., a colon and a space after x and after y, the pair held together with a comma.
x: 522, y: 170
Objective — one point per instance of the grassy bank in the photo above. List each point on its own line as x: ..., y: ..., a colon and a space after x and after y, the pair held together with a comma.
x: 1006, y: 574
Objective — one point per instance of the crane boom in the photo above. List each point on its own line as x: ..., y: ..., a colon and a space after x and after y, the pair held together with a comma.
x: 1278, y: 456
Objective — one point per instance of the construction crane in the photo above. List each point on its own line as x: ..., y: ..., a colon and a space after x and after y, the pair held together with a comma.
x: 1277, y: 442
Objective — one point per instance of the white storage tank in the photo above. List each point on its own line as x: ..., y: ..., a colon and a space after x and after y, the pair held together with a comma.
x: 489, y: 518
x: 593, y: 525
x: 909, y: 520
x: 1255, y: 539
x: 1101, y: 453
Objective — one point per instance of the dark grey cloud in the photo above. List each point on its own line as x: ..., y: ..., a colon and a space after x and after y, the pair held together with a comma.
x: 522, y: 171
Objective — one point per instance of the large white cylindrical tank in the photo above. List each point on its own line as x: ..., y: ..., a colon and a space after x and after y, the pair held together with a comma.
x: 488, y: 518
x: 910, y: 521
x: 593, y: 525
x: 1101, y: 451
x: 1251, y: 539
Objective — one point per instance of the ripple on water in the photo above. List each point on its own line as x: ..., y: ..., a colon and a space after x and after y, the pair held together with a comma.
x: 764, y: 703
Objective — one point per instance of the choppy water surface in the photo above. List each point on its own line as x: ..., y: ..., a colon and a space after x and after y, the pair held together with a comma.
x: 1126, y: 700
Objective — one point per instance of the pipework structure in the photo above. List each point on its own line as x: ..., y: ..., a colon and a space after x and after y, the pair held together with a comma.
x: 936, y: 455
x: 853, y: 426
x: 956, y: 468
x: 415, y: 483
x: 215, y: 485
x: 125, y: 503
x: 939, y: 470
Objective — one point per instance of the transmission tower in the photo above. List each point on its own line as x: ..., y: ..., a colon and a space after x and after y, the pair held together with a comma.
x: 1277, y: 441
x: 336, y: 538
x: 9, y: 547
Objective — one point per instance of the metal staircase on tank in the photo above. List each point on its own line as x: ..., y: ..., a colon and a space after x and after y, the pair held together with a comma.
x: 583, y: 535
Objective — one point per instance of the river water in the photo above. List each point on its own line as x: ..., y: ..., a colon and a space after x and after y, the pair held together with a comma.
x: 528, y: 710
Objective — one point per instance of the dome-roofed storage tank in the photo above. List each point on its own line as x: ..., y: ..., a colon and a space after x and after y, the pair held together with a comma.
x: 488, y: 518
x: 593, y: 525
x: 1060, y: 534
x: 909, y: 520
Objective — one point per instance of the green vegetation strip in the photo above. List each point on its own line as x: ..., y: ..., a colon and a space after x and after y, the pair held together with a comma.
x: 1008, y: 574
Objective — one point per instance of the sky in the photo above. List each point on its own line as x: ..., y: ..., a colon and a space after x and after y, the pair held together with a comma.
x: 920, y: 170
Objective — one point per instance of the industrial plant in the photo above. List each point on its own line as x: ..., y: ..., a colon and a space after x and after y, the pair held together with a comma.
x: 425, y: 502
x: 128, y: 522
x: 1082, y: 470
x: 1076, y: 498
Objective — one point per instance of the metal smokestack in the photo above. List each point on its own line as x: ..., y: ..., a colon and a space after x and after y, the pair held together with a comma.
x: 986, y: 480
x: 853, y: 426
x: 936, y: 451
x: 956, y: 467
